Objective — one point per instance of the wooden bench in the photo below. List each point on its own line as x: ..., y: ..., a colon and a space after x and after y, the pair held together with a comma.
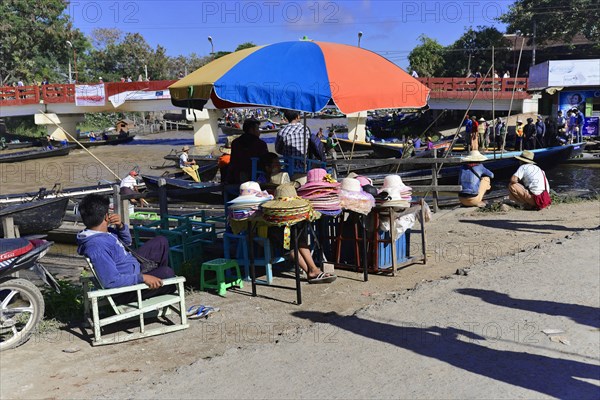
x: 95, y: 297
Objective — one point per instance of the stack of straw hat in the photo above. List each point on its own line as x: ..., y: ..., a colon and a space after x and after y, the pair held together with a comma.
x: 287, y: 208
x: 394, y: 193
x: 322, y: 191
x: 354, y: 198
x: 246, y: 205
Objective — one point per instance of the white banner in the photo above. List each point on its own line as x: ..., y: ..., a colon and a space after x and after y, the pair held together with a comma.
x: 118, y: 99
x: 90, y: 95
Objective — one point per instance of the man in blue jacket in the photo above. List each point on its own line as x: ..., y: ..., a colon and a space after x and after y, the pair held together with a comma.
x: 104, y: 242
x: 475, y: 180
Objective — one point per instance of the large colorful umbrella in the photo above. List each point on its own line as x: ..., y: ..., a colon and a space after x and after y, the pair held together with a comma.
x: 304, y: 76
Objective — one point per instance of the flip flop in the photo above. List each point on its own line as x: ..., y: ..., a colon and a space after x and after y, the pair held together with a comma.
x: 193, y: 310
x: 203, y: 312
x: 323, y: 278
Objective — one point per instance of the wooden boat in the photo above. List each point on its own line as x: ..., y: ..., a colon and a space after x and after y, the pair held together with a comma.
x: 34, y: 154
x: 585, y: 158
x: 231, y: 131
x: 17, y: 145
x: 338, y: 128
x: 56, y: 192
x: 346, y: 145
x: 502, y: 165
x: 36, y: 216
x: 394, y: 150
x: 112, y: 141
x: 186, y: 189
x: 331, y: 116
x: 207, y: 165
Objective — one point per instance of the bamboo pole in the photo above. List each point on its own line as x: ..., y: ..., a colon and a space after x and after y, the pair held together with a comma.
x: 82, y: 146
x: 512, y: 98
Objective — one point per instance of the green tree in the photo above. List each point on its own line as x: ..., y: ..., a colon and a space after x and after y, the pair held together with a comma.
x: 427, y: 58
x: 554, y: 19
x: 473, y: 51
x: 33, y: 40
x: 245, y: 45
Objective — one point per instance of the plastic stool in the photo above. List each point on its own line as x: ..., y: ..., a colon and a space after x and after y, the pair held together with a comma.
x: 219, y: 266
x: 241, y: 254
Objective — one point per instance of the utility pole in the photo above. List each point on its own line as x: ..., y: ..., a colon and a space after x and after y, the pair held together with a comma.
x: 359, y: 36
x: 533, y: 49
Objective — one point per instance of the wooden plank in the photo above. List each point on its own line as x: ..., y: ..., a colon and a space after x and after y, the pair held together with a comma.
x: 374, y: 161
x: 441, y: 188
x: 8, y: 226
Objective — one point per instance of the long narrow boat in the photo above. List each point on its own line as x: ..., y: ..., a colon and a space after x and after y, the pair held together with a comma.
x: 18, y: 145
x: 111, y: 141
x: 37, y: 216
x: 502, y: 165
x: 34, y: 154
x: 387, y: 150
x: 187, y: 190
x: 231, y: 131
x: 57, y: 192
x: 207, y: 165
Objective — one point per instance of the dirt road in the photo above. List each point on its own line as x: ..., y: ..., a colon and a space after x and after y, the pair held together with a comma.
x: 475, y: 336
x: 358, y: 348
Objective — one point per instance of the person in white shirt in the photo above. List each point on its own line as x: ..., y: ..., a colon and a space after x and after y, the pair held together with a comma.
x: 189, y: 167
x: 414, y: 74
x: 528, y: 182
x: 129, y: 186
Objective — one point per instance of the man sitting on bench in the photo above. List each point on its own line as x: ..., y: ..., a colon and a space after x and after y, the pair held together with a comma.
x: 106, y: 241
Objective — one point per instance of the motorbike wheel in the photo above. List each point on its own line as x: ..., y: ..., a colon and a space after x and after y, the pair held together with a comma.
x: 21, y: 310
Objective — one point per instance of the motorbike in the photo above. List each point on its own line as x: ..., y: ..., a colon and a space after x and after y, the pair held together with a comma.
x: 21, y: 302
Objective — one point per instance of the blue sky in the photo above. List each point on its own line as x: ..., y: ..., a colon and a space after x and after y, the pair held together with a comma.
x: 390, y: 28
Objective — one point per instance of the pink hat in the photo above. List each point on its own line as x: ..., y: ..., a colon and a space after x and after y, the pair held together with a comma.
x: 364, y: 180
x: 318, y: 178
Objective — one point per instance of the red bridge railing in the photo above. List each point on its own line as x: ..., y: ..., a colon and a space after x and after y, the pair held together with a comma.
x: 65, y: 93
x: 441, y: 88
x: 451, y: 88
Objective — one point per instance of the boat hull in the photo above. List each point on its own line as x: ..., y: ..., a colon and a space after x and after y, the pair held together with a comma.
x: 37, y: 216
x: 502, y: 167
x: 186, y: 190
x: 34, y: 154
x: 110, y: 142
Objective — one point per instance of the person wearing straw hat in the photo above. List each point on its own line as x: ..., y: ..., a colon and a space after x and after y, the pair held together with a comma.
x: 475, y: 180
x: 528, y: 183
x: 187, y: 166
x: 243, y: 149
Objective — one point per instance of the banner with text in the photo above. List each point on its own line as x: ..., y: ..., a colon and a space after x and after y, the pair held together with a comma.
x: 90, y: 95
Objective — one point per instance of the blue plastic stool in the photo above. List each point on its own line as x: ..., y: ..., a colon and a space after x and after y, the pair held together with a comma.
x: 242, y: 257
x: 220, y: 266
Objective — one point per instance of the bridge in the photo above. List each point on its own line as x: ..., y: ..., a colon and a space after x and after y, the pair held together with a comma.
x: 456, y: 94
x: 64, y: 103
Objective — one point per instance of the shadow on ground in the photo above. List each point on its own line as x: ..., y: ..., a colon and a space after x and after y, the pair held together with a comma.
x: 462, y: 349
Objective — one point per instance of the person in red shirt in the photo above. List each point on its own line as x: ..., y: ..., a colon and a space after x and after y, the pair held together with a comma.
x: 243, y: 149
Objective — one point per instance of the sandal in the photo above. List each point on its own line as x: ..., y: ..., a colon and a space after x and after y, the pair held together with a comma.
x: 323, y: 277
x: 203, y: 312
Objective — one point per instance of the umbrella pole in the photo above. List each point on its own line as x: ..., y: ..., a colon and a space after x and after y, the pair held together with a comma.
x: 305, y: 143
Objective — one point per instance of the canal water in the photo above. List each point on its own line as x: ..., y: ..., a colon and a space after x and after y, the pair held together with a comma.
x: 146, y: 152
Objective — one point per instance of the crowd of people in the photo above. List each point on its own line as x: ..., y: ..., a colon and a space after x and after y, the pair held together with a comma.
x: 534, y: 134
